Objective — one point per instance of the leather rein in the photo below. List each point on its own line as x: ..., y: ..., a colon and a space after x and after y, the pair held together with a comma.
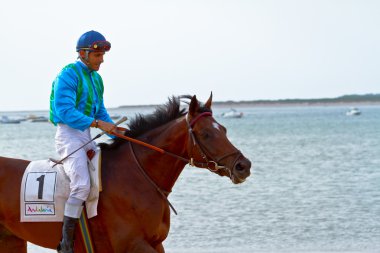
x: 209, y: 164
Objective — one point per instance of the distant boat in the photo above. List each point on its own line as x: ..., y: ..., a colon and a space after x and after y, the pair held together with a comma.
x: 353, y: 112
x: 115, y: 116
x: 7, y: 120
x: 232, y: 114
x: 34, y: 118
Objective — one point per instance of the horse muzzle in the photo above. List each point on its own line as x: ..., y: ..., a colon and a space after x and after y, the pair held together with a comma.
x: 241, y: 170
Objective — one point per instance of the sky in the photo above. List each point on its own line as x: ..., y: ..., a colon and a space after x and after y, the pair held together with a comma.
x: 237, y: 49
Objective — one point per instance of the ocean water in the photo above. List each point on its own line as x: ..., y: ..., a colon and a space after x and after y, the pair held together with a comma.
x: 315, y: 183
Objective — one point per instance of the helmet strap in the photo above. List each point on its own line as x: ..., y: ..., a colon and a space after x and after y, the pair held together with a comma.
x: 85, y: 58
x: 86, y: 55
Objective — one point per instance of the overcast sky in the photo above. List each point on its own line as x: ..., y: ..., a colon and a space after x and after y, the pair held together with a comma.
x: 238, y: 49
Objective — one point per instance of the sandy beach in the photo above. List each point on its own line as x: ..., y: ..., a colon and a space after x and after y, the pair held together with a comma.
x: 36, y: 249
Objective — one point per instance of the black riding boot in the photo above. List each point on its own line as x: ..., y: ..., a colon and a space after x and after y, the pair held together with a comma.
x: 67, y: 243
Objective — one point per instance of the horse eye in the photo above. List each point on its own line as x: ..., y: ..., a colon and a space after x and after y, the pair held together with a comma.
x: 205, y: 134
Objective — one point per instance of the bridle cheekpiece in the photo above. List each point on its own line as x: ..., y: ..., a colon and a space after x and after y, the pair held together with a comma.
x: 212, y: 165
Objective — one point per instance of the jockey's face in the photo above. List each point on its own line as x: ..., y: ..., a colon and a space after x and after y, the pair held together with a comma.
x: 94, y: 59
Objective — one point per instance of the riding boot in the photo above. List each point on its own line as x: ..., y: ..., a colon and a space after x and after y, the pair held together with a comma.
x: 67, y: 243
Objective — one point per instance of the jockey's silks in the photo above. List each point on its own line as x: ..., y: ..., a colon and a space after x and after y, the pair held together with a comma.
x: 77, y: 97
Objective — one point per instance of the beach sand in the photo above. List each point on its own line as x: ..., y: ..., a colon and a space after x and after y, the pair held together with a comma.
x: 36, y: 249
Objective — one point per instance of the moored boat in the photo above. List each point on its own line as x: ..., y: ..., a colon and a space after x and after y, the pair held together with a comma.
x: 34, y: 118
x: 6, y: 120
x: 232, y: 114
x: 353, y: 112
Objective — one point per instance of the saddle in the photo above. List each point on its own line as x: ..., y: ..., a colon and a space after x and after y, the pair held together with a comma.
x: 45, y: 187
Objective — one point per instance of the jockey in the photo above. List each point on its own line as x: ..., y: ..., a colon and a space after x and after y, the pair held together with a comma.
x: 76, y: 104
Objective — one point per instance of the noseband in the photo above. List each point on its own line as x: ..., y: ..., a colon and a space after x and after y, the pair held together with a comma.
x: 213, y: 164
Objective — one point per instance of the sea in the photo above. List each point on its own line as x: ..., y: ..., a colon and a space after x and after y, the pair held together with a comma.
x: 314, y: 187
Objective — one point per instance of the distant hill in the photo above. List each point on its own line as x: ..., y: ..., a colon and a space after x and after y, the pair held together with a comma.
x: 346, y: 99
x: 350, y: 99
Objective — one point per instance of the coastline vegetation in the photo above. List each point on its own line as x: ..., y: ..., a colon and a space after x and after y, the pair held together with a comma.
x: 345, y: 99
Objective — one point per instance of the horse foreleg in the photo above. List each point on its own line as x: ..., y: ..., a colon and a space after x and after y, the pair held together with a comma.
x: 10, y: 243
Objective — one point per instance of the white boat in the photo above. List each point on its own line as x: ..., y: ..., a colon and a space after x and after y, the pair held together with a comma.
x: 353, y: 112
x: 34, y: 118
x: 40, y: 119
x: 7, y: 120
x: 115, y: 116
x: 232, y: 114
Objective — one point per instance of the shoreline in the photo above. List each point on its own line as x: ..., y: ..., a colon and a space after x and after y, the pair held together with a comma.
x: 232, y: 104
x: 228, y: 104
x: 291, y: 104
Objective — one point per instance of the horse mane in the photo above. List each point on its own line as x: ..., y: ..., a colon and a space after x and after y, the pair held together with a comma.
x: 162, y: 114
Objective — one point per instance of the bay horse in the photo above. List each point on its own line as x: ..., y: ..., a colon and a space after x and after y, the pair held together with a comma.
x: 132, y: 216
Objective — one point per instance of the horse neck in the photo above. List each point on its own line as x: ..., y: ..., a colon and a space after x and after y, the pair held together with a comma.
x: 164, y: 169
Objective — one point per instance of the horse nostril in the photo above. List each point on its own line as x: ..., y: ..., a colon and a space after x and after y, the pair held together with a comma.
x: 243, y: 166
x: 239, y: 167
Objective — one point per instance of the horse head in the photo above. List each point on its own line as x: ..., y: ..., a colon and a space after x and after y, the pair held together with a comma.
x: 209, y: 147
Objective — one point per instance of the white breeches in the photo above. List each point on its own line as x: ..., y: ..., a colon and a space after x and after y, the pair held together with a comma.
x: 67, y: 140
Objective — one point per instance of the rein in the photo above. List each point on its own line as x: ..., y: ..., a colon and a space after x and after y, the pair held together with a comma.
x: 160, y: 150
x: 163, y: 193
x: 202, y: 151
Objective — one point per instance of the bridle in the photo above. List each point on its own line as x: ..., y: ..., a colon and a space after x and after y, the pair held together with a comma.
x: 213, y: 164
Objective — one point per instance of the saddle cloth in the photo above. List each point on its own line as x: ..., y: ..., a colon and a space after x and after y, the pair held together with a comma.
x: 45, y: 189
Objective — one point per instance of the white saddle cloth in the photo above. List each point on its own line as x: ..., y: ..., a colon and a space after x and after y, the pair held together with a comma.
x: 45, y: 189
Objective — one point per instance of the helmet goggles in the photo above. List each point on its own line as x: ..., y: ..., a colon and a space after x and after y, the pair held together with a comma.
x: 98, y: 46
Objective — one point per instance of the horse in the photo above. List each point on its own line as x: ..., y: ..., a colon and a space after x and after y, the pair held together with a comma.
x: 133, y: 210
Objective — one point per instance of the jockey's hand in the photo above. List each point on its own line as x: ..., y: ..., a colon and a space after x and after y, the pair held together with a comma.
x: 106, y: 126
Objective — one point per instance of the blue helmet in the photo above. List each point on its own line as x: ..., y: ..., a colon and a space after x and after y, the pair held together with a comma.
x: 93, y: 41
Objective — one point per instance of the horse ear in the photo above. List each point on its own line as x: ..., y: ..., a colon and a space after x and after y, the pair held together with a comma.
x: 194, y: 105
x: 209, y: 101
